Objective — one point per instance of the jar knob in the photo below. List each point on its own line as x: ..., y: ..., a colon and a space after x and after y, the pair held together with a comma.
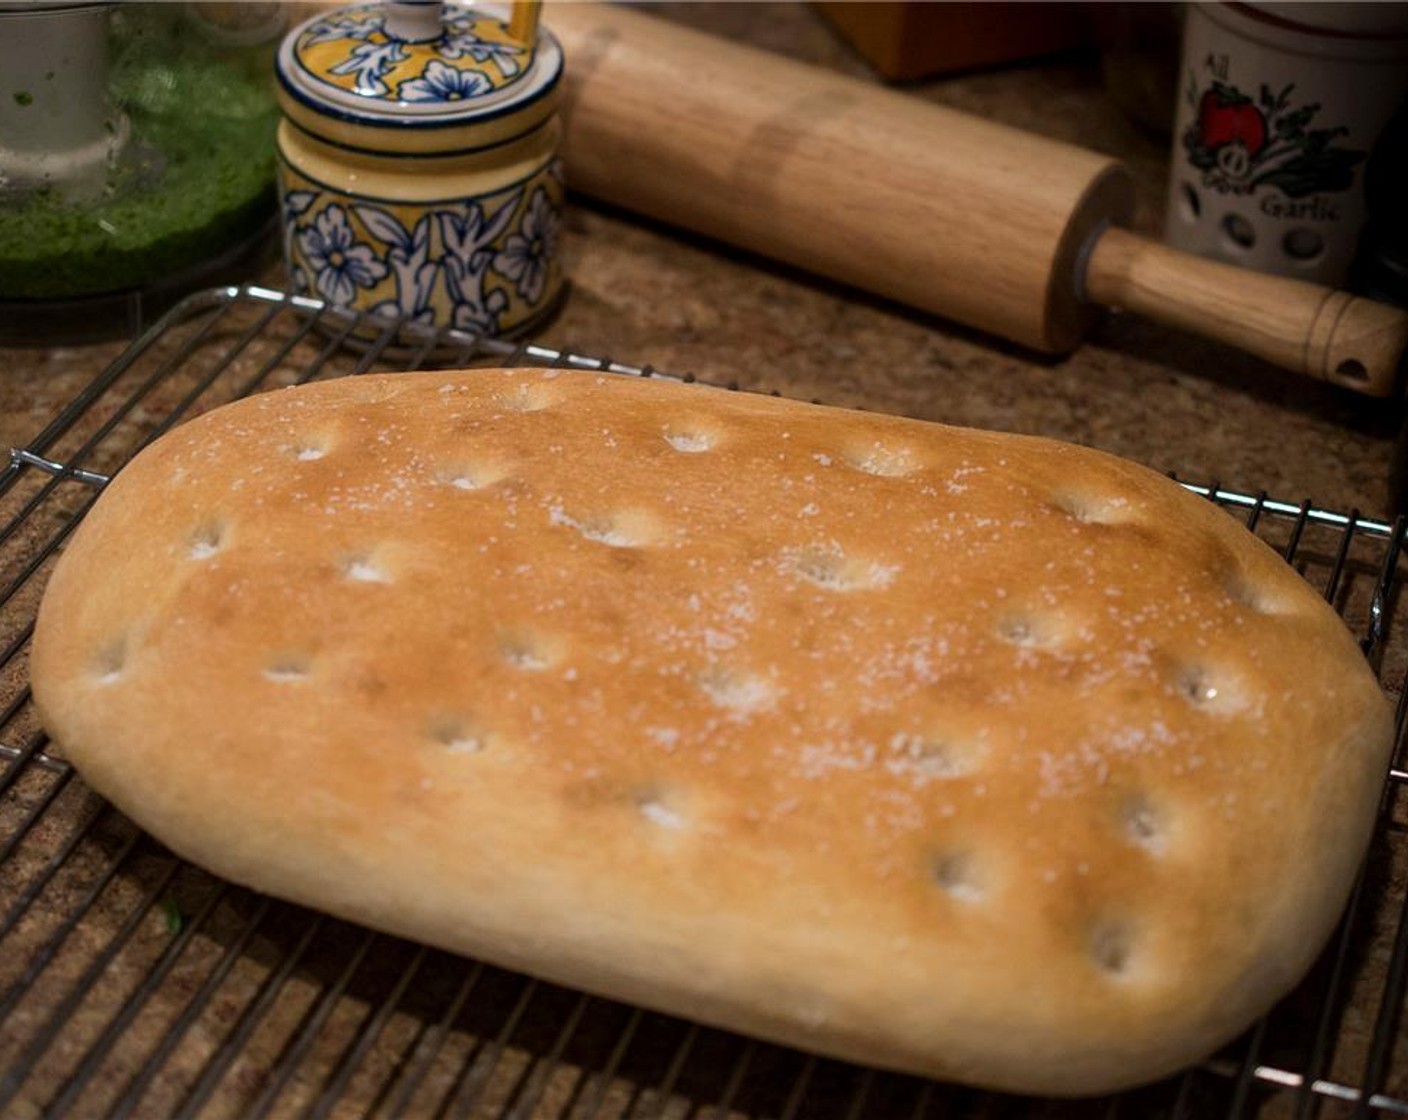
x: 415, y: 21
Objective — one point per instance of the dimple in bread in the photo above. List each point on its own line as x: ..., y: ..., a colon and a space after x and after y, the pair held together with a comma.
x: 973, y: 755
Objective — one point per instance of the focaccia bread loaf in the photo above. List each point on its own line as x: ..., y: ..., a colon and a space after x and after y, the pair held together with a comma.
x: 972, y: 755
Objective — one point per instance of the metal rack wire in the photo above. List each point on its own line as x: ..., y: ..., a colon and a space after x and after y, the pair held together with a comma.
x: 135, y: 985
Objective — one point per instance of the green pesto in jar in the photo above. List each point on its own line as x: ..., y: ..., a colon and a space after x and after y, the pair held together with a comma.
x: 195, y: 179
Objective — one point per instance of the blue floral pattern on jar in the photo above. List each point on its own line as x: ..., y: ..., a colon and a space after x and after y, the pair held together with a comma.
x: 486, y: 264
x: 339, y: 264
x: 359, y: 46
x: 528, y: 254
x: 444, y: 83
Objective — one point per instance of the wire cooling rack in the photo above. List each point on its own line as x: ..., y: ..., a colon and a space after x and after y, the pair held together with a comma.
x: 135, y: 985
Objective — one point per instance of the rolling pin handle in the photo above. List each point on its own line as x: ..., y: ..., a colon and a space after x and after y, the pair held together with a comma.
x: 1326, y: 334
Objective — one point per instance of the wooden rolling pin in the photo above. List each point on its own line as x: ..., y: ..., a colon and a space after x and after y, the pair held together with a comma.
x: 988, y: 225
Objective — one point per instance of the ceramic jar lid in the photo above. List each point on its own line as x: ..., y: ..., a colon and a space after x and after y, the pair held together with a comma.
x: 417, y: 78
x: 1356, y: 20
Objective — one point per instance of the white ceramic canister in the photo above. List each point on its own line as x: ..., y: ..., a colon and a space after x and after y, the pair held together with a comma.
x: 1280, y: 105
x: 418, y: 164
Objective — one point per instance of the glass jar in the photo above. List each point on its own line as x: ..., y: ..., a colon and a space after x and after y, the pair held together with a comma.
x: 419, y: 172
x: 136, y: 158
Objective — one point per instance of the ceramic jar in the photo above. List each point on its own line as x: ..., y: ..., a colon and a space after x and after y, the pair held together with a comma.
x: 1280, y: 105
x: 418, y: 165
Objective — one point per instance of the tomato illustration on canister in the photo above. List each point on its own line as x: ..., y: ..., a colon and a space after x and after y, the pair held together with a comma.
x: 1279, y: 106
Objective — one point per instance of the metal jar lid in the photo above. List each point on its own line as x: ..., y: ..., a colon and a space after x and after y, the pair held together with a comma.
x: 415, y: 78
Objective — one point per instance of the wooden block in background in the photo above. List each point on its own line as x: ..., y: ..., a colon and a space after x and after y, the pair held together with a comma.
x: 908, y: 40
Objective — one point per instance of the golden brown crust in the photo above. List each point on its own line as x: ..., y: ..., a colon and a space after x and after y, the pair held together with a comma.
x: 974, y: 755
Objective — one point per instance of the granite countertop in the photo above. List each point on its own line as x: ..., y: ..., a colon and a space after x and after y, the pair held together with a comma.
x: 645, y: 293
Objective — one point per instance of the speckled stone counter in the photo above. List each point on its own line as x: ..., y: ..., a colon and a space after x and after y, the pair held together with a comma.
x: 643, y: 292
